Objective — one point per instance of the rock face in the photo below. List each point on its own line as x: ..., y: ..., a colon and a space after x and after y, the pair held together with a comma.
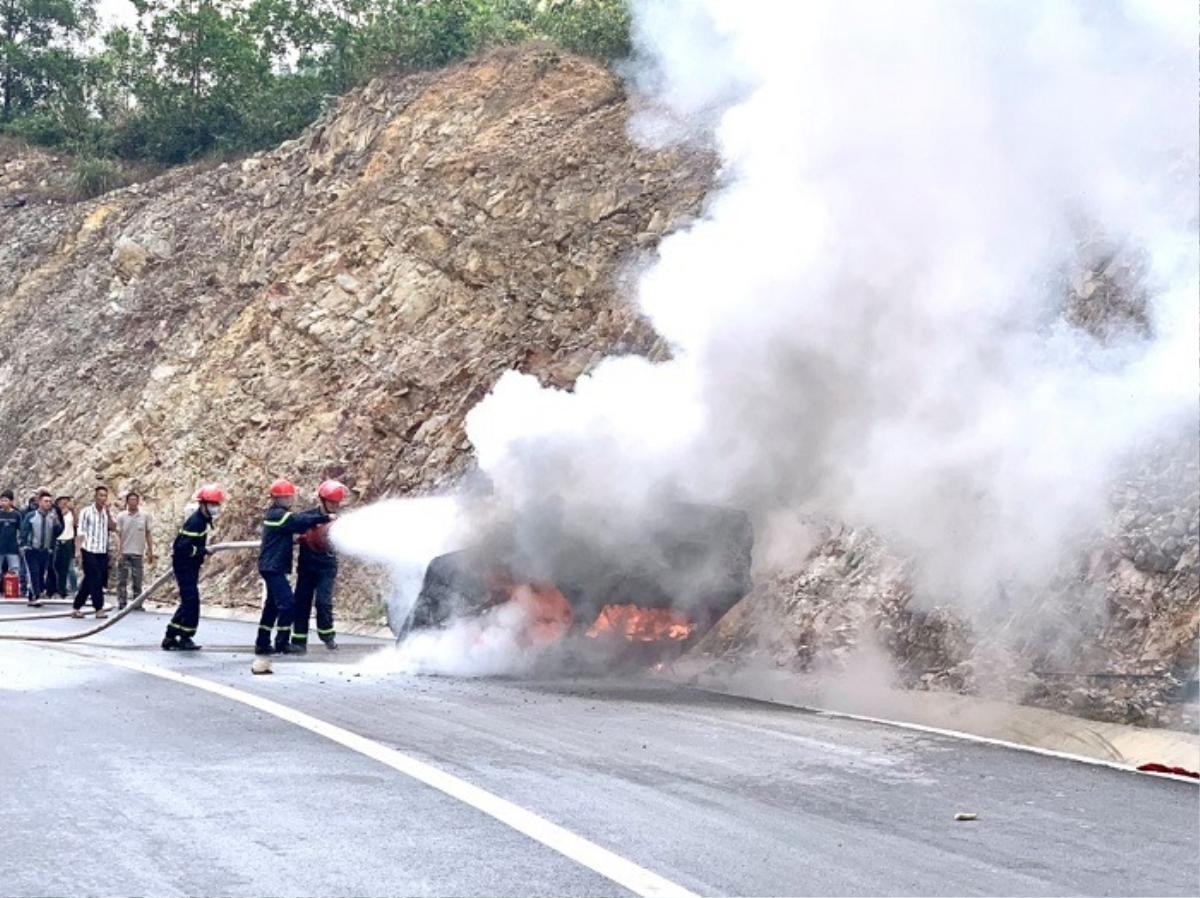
x: 1114, y: 636
x: 335, y: 305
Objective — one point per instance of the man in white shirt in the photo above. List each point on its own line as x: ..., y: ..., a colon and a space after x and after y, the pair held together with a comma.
x: 64, y: 551
x: 91, y: 551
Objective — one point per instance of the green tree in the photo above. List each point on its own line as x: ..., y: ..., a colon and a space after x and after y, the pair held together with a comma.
x: 229, y: 76
x: 40, y: 56
x: 289, y: 29
x: 201, y: 65
x: 594, y: 27
x: 112, y: 74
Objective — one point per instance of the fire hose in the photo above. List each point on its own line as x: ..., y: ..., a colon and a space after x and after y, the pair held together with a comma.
x: 120, y: 615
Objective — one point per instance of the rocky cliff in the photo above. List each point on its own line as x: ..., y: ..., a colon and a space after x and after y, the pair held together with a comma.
x: 335, y: 305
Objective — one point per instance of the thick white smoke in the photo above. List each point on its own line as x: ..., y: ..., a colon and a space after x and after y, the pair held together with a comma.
x: 403, y: 535
x: 492, y: 644
x: 868, y: 321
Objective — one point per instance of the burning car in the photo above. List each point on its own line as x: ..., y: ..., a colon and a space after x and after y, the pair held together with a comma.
x: 650, y: 595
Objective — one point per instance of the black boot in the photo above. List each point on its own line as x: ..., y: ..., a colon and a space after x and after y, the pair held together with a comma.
x: 288, y: 648
x: 187, y: 645
x: 170, y: 643
x: 260, y: 649
x: 330, y: 643
x: 298, y: 648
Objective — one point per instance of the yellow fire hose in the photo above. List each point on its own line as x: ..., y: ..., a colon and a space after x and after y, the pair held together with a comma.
x: 131, y: 607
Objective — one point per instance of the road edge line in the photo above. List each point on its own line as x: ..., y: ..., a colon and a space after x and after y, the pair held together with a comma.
x: 951, y: 734
x: 1003, y: 743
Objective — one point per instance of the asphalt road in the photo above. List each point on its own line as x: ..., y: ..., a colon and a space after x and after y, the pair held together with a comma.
x: 113, y: 781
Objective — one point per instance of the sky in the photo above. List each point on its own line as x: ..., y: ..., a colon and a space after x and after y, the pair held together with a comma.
x: 116, y: 12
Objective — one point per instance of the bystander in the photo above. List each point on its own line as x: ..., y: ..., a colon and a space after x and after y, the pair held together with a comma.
x: 10, y: 529
x: 91, y: 551
x: 135, y: 546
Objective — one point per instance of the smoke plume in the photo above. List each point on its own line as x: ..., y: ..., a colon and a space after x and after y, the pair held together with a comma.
x: 881, y: 316
x: 871, y: 320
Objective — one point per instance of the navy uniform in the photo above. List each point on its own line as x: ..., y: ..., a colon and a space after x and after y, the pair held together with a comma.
x: 275, y: 559
x: 316, y: 571
x: 187, y: 555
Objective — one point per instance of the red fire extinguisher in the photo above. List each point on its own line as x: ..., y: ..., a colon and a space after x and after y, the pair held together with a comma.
x: 12, y: 585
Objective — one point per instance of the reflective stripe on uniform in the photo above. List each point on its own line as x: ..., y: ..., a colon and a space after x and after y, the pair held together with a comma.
x: 261, y: 627
x: 173, y: 625
x: 280, y: 522
x: 321, y: 632
x: 183, y: 532
x: 299, y: 637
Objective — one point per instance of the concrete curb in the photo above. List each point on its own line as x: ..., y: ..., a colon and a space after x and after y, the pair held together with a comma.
x: 1006, y: 724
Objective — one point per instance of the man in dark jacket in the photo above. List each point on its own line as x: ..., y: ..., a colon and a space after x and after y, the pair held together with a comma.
x: 30, y: 505
x: 39, y: 532
x: 187, y: 555
x: 316, y: 571
x: 275, y: 558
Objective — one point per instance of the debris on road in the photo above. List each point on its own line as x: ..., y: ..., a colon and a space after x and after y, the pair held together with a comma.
x: 964, y: 817
x: 1163, y: 768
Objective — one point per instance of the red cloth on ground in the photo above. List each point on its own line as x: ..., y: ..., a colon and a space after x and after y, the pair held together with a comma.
x: 1163, y: 768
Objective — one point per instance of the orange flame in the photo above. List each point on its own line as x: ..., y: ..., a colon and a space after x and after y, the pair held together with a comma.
x: 639, y: 624
x: 546, y: 609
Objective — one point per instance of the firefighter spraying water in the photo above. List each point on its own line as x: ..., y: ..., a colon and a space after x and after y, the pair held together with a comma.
x: 316, y: 571
x: 275, y: 560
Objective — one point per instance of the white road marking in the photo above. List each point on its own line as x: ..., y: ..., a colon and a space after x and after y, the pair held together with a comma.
x: 613, y: 867
x: 1000, y: 743
x: 866, y: 757
x: 1123, y: 766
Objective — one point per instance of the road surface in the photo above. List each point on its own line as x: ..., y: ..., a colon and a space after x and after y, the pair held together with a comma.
x: 117, y: 781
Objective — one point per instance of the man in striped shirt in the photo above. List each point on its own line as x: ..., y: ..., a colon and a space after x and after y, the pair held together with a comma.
x: 92, y: 534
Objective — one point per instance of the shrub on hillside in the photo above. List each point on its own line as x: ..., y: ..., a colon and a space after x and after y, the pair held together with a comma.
x: 592, y: 27
x: 420, y: 34
x: 44, y: 127
x: 93, y: 177
x: 436, y: 33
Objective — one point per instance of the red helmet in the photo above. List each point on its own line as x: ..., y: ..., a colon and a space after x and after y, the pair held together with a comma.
x: 333, y: 491
x: 211, y: 492
x: 281, y: 488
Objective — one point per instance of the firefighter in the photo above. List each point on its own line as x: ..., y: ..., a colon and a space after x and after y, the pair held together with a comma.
x: 275, y: 557
x: 316, y: 571
x: 187, y: 555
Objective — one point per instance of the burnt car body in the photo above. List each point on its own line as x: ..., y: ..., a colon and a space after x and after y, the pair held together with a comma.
x: 694, y: 558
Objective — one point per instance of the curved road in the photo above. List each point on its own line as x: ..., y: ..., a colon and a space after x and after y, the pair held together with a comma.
x: 114, y: 780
